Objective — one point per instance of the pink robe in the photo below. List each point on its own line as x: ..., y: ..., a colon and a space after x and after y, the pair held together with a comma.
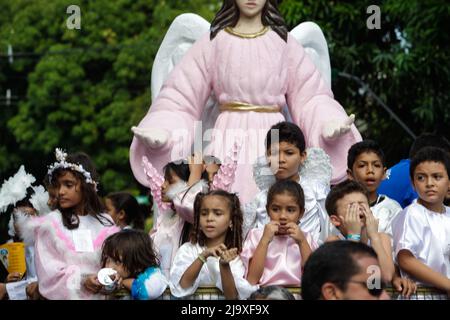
x: 61, y: 270
x: 261, y: 71
x: 283, y: 263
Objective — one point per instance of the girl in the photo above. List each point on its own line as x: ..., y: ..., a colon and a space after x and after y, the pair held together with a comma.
x: 130, y: 253
x: 175, y: 195
x: 20, y: 200
x: 68, y: 241
x: 124, y: 210
x: 276, y: 254
x: 211, y: 257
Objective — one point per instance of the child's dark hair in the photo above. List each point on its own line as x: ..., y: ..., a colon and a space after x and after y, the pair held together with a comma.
x: 286, y: 186
x: 272, y: 293
x: 132, y: 248
x: 361, y: 147
x: 428, y: 140
x: 234, y: 235
x: 287, y: 132
x: 341, y: 190
x: 91, y: 202
x: 181, y: 169
x: 126, y: 202
x: 432, y: 154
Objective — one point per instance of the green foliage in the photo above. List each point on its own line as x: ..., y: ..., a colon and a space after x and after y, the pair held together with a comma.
x: 81, y: 89
x: 406, y: 63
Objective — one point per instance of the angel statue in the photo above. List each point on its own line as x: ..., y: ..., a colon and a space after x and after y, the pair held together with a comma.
x: 235, y: 78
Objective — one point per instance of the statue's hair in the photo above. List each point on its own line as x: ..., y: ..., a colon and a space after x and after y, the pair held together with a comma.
x: 228, y: 16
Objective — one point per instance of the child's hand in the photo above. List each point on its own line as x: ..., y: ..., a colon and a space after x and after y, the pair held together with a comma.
x: 270, y: 230
x: 32, y: 291
x: 294, y: 231
x: 214, y: 251
x: 92, y: 284
x: 13, y: 277
x: 196, y: 163
x: 227, y: 256
x: 371, y: 222
x: 405, y: 286
x: 352, y: 220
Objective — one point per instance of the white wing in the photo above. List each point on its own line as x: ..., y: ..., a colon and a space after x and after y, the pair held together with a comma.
x: 186, y: 29
x: 311, y: 37
x: 183, y: 32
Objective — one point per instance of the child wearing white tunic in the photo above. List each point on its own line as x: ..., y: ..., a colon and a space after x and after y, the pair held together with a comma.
x: 422, y: 230
x: 211, y: 258
x: 287, y: 159
x: 366, y: 164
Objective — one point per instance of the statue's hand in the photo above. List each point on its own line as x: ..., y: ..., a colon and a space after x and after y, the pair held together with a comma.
x: 334, y: 128
x: 153, y: 138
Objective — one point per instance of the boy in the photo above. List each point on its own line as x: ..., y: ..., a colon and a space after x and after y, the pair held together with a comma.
x: 422, y: 230
x: 366, y: 165
x: 348, y: 207
x: 286, y: 158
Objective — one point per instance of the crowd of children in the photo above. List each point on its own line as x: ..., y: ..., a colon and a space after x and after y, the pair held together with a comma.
x: 79, y: 246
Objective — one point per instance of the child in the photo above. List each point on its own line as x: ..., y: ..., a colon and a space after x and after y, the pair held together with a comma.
x: 20, y: 200
x: 211, y: 258
x: 422, y: 230
x: 276, y: 253
x: 130, y: 253
x: 175, y: 196
x: 124, y: 210
x: 348, y: 207
x: 288, y: 159
x: 172, y: 225
x: 366, y: 165
x: 68, y: 241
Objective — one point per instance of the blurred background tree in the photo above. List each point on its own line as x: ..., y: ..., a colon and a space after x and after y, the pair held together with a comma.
x: 84, y: 89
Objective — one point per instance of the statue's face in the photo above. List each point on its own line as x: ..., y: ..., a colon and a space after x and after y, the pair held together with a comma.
x: 250, y: 8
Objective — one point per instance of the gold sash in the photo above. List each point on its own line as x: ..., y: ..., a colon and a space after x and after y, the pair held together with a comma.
x: 236, y: 106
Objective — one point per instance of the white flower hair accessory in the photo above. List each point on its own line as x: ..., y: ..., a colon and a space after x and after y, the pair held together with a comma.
x: 15, y: 188
x: 61, y: 162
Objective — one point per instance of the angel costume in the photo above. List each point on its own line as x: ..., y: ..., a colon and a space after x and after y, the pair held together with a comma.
x: 252, y: 79
x: 62, y: 262
x: 209, y: 275
x: 315, y: 175
x: 426, y: 234
x: 283, y: 263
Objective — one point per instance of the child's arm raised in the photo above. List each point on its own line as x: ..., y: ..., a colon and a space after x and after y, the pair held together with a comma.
x: 228, y: 285
x: 409, y: 263
x: 297, y: 234
x: 381, y: 243
x: 256, y: 265
x: 191, y: 274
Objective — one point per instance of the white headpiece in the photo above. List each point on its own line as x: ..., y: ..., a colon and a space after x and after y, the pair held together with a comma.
x: 62, y: 163
x: 15, y: 188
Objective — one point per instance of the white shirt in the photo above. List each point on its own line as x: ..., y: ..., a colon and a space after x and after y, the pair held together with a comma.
x: 385, y: 211
x: 209, y: 275
x: 426, y: 234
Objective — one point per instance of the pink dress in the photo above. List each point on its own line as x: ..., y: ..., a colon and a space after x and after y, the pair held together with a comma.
x: 61, y: 269
x: 283, y: 264
x: 262, y: 71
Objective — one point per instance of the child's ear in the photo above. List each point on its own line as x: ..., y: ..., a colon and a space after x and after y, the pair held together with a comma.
x: 121, y: 215
x: 349, y: 174
x: 335, y: 220
x: 384, y: 173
